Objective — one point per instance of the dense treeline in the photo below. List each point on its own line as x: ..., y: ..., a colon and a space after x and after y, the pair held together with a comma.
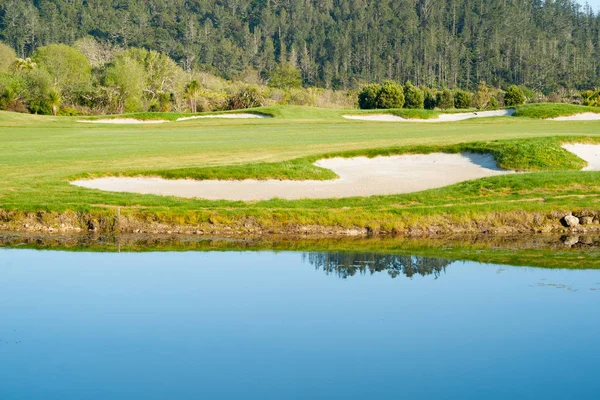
x: 544, y: 44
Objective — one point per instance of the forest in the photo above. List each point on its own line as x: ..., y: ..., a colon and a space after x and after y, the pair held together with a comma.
x: 546, y: 45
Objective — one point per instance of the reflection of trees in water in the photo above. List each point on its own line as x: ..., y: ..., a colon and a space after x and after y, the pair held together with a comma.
x: 349, y: 264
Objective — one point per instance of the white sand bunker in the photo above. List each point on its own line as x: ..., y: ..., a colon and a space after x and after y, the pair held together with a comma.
x: 589, y: 116
x: 226, y: 116
x: 441, y: 117
x: 126, y: 121
x: 587, y: 152
x: 358, y: 176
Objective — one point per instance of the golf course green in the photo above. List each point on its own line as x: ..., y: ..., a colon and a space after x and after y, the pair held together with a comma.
x: 41, y: 155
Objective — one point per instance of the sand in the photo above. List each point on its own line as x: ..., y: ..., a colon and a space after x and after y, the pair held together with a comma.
x: 226, y: 116
x: 587, y: 152
x: 441, y: 117
x: 358, y: 176
x: 589, y: 116
x: 123, y: 121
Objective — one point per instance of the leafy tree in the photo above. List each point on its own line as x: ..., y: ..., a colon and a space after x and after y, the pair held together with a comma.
x: 128, y: 78
x: 514, y: 96
x: 390, y: 95
x: 7, y: 57
x: 446, y: 100
x: 413, y: 96
x: 67, y: 66
x: 462, y: 99
x: 367, y: 97
x: 285, y: 76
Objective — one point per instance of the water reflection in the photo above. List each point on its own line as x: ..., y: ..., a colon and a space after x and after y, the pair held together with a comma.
x: 345, y: 265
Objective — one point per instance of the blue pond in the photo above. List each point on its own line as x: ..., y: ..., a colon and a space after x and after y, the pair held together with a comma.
x: 264, y: 325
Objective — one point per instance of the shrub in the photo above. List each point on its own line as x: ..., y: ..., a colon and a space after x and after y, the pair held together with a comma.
x: 445, y: 100
x: 590, y: 98
x: 413, y: 96
x: 493, y: 104
x: 462, y: 99
x: 367, y: 97
x: 514, y: 96
x: 430, y: 101
x: 247, y: 97
x: 390, y: 95
x: 482, y: 97
x: 285, y: 76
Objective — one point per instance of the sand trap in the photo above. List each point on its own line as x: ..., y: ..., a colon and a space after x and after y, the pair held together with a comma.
x: 587, y: 152
x: 589, y: 116
x: 441, y: 117
x: 227, y: 116
x: 359, y: 176
x: 122, y: 121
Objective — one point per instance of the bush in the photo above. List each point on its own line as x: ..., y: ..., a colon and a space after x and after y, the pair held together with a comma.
x: 590, y: 98
x: 430, y: 101
x: 445, y: 100
x: 482, y: 97
x: 514, y: 96
x: 390, y: 96
x: 285, y: 76
x: 462, y: 99
x: 367, y: 97
x: 247, y: 97
x: 413, y: 96
x: 493, y: 104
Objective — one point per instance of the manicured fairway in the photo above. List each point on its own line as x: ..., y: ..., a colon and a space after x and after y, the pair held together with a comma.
x: 40, y: 154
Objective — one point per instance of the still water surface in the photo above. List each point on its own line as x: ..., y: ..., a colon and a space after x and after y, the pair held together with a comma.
x: 263, y: 325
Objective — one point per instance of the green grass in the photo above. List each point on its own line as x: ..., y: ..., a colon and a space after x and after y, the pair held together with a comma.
x: 552, y: 110
x: 39, y: 155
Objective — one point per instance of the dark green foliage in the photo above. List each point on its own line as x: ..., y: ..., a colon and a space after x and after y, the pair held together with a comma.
x: 493, y: 104
x: 285, y: 76
x: 390, y: 95
x: 442, y: 43
x: 514, y: 96
x: 445, y: 99
x: 431, y: 99
x: 462, y: 99
x: 367, y: 97
x: 413, y: 96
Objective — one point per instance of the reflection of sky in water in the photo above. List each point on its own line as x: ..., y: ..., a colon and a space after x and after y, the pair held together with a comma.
x: 271, y: 326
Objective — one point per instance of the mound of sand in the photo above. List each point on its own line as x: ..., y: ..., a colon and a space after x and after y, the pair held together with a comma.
x: 358, y: 176
x: 587, y: 152
x: 226, y: 116
x: 441, y: 117
x: 589, y: 116
x: 122, y: 121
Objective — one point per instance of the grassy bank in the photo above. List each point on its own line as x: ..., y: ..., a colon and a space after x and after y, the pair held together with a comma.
x: 40, y: 155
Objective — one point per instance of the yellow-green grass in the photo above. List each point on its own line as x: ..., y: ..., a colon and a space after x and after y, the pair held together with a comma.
x: 40, y: 155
